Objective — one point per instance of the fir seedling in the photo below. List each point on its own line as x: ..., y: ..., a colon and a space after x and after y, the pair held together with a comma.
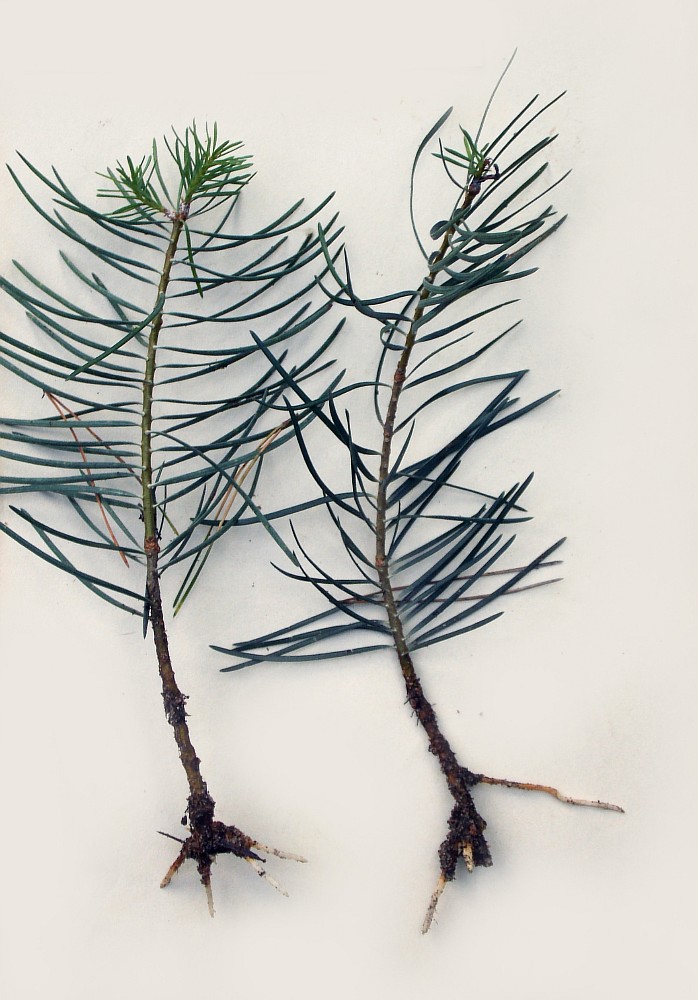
x: 429, y: 555
x: 144, y: 464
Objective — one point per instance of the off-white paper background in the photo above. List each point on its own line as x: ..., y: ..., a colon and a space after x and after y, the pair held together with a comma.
x: 590, y: 686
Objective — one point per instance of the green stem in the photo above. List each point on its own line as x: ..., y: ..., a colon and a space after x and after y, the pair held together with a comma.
x: 149, y: 512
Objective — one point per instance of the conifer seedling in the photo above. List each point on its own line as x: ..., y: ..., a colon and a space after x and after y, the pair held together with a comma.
x: 427, y: 554
x: 146, y: 466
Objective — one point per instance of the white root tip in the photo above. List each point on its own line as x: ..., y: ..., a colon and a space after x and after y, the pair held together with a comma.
x: 171, y: 872
x: 593, y: 803
x: 286, y: 855
x: 431, y: 910
x: 259, y: 868
x: 467, y: 853
x: 209, y: 896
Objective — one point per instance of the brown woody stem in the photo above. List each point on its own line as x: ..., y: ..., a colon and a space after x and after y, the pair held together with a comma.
x: 208, y: 837
x: 466, y: 826
x: 201, y: 805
